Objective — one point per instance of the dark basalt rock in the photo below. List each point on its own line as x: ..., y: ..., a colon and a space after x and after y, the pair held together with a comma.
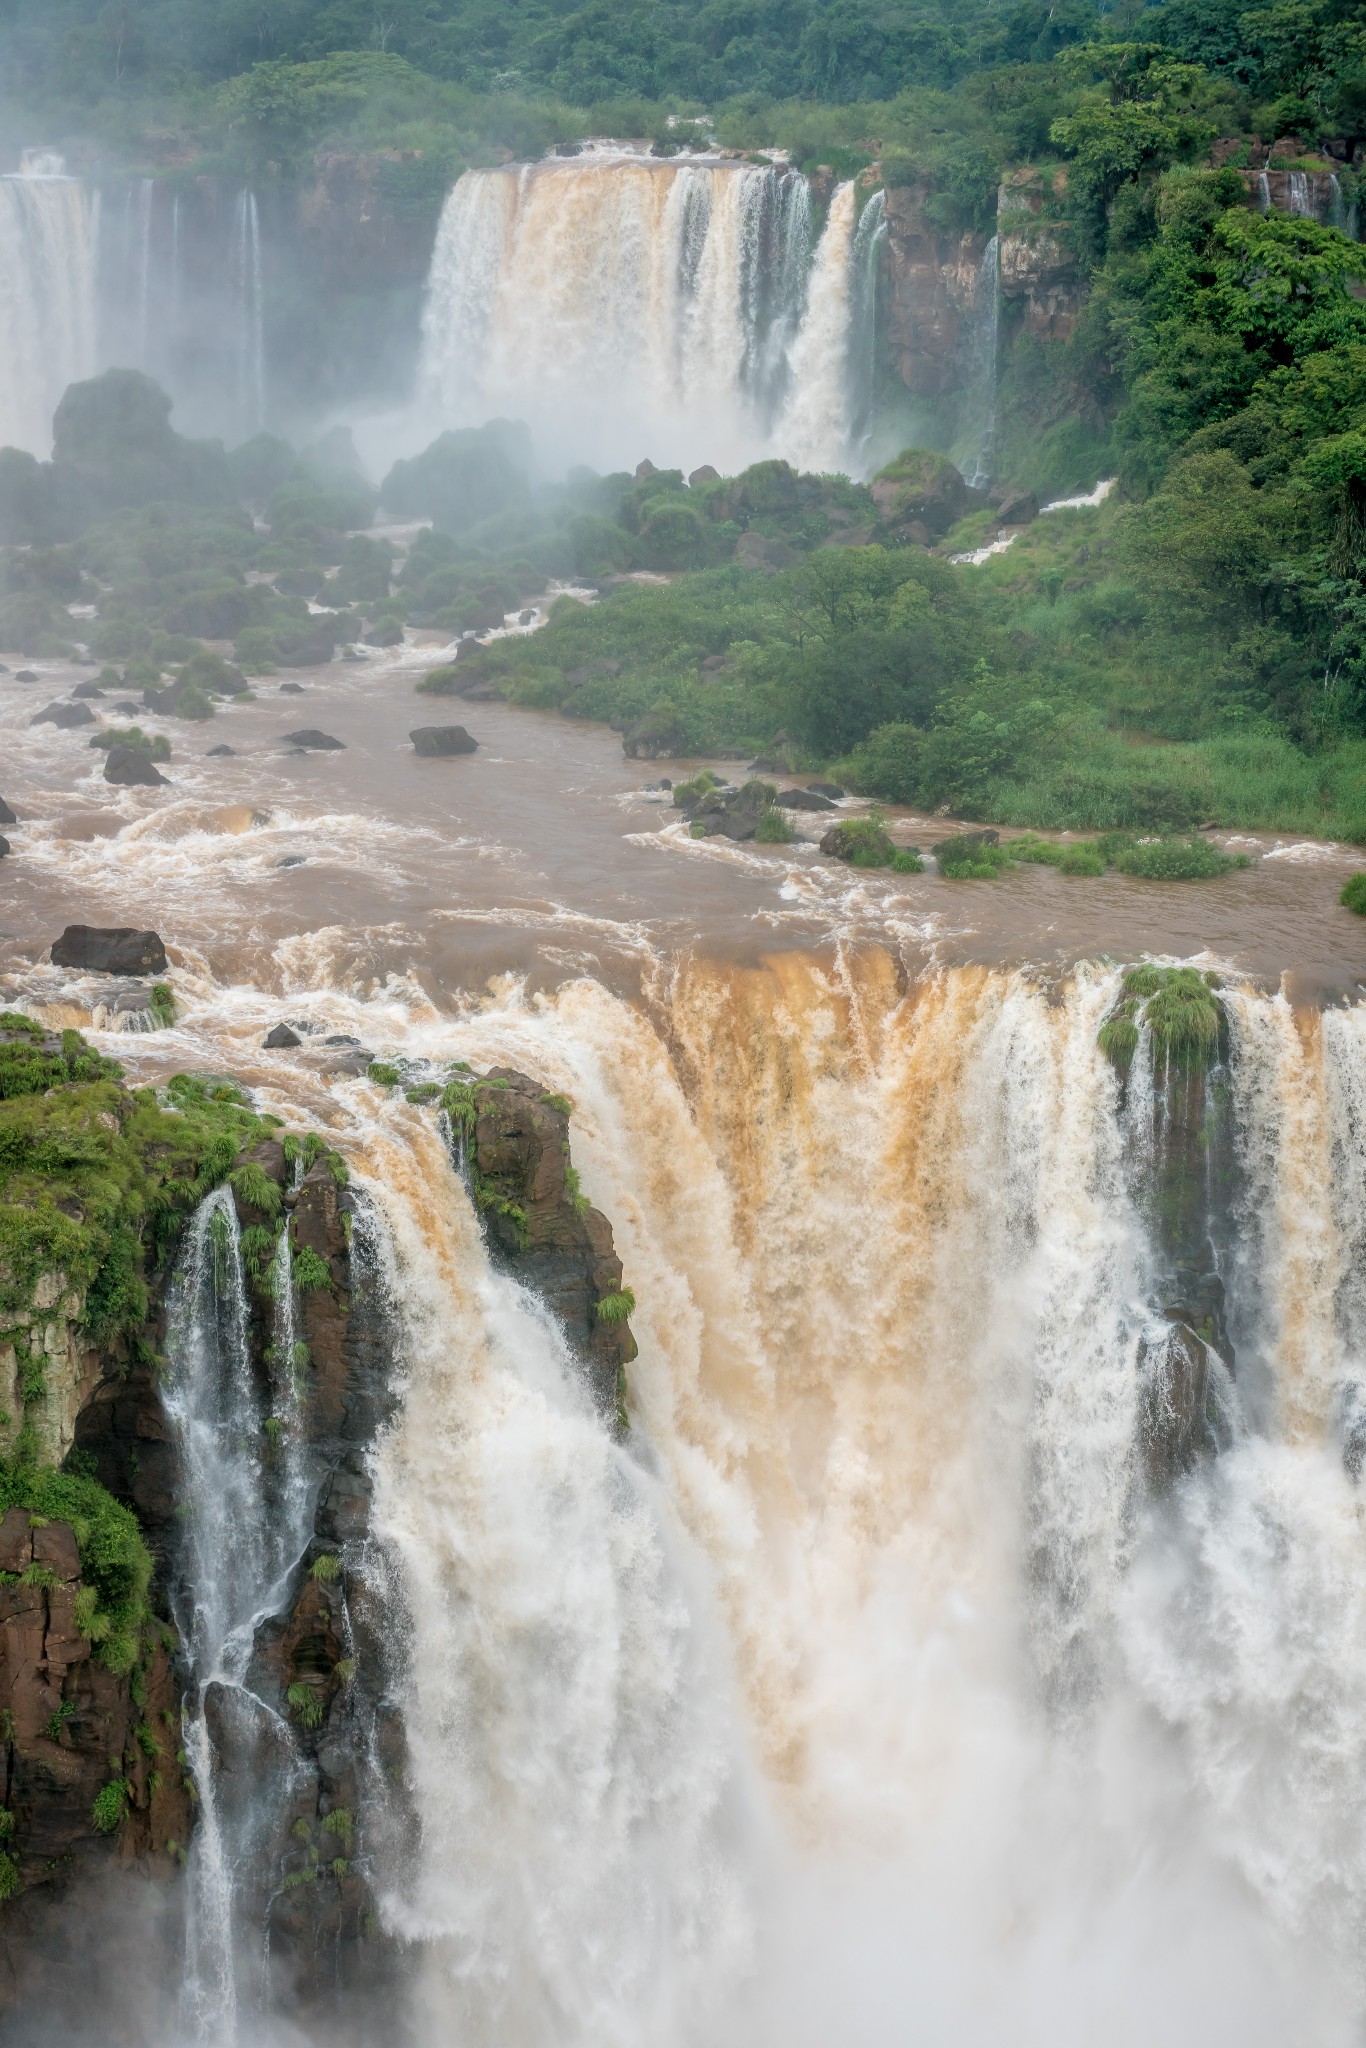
x: 540, y: 1229
x: 734, y: 814
x: 7, y: 816
x: 830, y: 789
x: 388, y: 633
x: 293, y: 689
x: 803, y: 800
x: 130, y: 768
x: 64, y: 716
x: 109, y: 949
x: 280, y: 1036
x: 440, y: 741
x: 219, y: 753
x: 314, y: 742
x: 27, y: 675
x: 4, y: 846
x: 87, y: 690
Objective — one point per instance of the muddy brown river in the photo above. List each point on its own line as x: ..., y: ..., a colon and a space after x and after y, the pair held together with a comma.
x: 542, y: 855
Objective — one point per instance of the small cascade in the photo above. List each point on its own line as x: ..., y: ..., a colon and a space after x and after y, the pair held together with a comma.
x: 1263, y: 192
x: 868, y: 240
x: 985, y: 347
x: 1301, y: 193
x: 47, y: 296
x: 243, y: 1535
x: 619, y: 302
x: 249, y: 314
x: 815, y: 430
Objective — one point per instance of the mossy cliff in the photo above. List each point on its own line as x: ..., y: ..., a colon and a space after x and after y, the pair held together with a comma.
x: 1182, y: 1173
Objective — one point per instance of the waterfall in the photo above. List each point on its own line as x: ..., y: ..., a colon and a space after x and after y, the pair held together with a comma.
x: 620, y: 303
x: 1263, y: 192
x: 249, y: 315
x: 985, y: 350
x: 1302, y: 194
x: 240, y: 1542
x: 47, y: 297
x: 868, y: 240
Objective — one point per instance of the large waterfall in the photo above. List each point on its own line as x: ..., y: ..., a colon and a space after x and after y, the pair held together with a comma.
x: 47, y: 297
x: 884, y: 1677
x: 626, y: 306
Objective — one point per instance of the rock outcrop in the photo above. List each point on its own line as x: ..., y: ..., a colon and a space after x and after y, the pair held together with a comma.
x: 541, y: 1228
x: 64, y: 716
x: 314, y: 742
x: 933, y: 280
x: 113, y: 949
x: 1041, y: 282
x: 131, y: 768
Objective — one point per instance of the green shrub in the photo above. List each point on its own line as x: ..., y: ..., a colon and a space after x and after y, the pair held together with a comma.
x: 617, y: 1308
x: 156, y: 746
x: 773, y: 828
x: 382, y: 1074
x: 162, y: 1005
x: 311, y: 1273
x: 1176, y: 860
x: 111, y: 1806
x: 907, y: 861
x: 254, y: 1186
x: 968, y: 858
x: 115, y: 1562
x: 307, y: 1702
x: 443, y: 682
x: 560, y: 1103
x: 1353, y: 895
x: 325, y: 1568
x: 862, y: 842
x: 1081, y: 860
x: 10, y: 1881
x: 1180, y: 1008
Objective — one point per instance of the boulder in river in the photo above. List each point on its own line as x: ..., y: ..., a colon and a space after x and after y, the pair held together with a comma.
x: 131, y: 768
x: 656, y: 736
x: 830, y: 789
x: 64, y: 716
x: 279, y: 1037
x: 217, y: 753
x: 87, y: 690
x: 315, y: 742
x: 4, y: 846
x: 7, y: 816
x: 27, y: 675
x: 389, y: 633
x: 292, y: 689
x: 109, y: 949
x: 734, y: 813
x: 803, y: 800
x: 435, y: 742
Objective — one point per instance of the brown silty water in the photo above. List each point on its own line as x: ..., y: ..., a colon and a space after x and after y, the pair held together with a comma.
x: 542, y: 856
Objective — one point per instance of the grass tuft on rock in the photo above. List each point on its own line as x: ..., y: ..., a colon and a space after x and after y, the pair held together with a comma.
x: 1353, y: 895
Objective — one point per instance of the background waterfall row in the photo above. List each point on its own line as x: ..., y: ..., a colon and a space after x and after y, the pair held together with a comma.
x: 627, y: 305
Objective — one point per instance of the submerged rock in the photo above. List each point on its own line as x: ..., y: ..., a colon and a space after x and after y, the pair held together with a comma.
x: 440, y: 741
x: 388, y: 633
x: 87, y: 690
x: 109, y: 949
x: 314, y: 742
x: 64, y: 716
x: 4, y: 846
x: 7, y: 816
x: 280, y: 1036
x: 218, y: 753
x: 27, y: 675
x: 293, y: 689
x: 130, y: 768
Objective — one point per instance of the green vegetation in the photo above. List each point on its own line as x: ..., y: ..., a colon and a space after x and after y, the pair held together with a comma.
x: 111, y: 1806
x: 382, y: 1074
x: 1353, y: 895
x: 617, y: 1308
x: 1180, y: 1009
x: 308, y: 1703
x: 968, y: 857
x: 773, y: 829
x: 116, y: 1566
x: 312, y: 1275
x: 325, y: 1568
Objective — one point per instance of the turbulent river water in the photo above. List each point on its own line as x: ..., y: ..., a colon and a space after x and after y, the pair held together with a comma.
x: 863, y: 1689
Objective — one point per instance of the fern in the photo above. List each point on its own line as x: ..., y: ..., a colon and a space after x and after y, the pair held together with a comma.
x: 307, y: 1703
x: 617, y: 1308
x: 111, y: 1806
x: 311, y: 1273
x: 325, y: 1568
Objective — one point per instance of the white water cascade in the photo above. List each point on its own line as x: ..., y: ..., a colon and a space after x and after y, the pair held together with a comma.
x: 244, y: 1533
x: 47, y: 297
x: 621, y: 305
x: 986, y: 325
x: 868, y: 1689
x: 250, y: 313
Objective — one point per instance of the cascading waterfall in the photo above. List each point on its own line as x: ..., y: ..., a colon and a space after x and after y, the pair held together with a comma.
x: 1263, y: 192
x: 243, y: 1535
x: 250, y: 313
x: 1302, y: 194
x: 47, y: 297
x: 985, y: 352
x: 897, y: 1270
x: 884, y: 1676
x: 618, y: 302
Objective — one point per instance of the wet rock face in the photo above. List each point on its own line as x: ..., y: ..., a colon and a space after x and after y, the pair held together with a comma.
x: 66, y: 1722
x: 117, y: 949
x: 931, y: 294
x: 1041, y: 281
x: 541, y: 1229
